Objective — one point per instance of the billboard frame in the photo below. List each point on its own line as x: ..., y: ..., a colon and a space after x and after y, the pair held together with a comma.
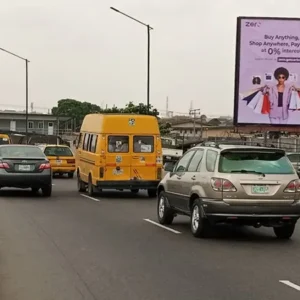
x: 237, y: 69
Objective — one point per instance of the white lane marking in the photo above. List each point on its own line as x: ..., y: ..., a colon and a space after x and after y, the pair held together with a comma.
x: 86, y: 196
x: 290, y: 284
x: 162, y: 226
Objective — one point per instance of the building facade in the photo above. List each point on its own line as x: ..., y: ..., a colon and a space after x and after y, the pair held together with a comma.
x: 195, y: 130
x: 37, y: 123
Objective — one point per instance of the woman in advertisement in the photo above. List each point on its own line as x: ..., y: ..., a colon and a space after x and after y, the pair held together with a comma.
x: 279, y: 96
x: 275, y: 100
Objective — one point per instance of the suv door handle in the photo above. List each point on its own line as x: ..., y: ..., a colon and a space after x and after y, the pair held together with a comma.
x: 193, y: 177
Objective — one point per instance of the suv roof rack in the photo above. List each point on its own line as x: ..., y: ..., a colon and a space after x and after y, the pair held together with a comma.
x: 218, y: 144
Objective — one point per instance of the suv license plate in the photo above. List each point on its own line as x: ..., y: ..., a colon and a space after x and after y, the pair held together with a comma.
x: 260, y: 189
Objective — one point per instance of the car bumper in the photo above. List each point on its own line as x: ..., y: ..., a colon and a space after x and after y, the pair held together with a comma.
x: 25, y: 180
x: 63, y: 169
x: 220, y: 209
x: 127, y: 184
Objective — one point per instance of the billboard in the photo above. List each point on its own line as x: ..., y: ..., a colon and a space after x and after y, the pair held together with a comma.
x: 267, y: 74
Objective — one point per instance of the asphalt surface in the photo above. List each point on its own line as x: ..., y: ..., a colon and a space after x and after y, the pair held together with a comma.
x: 73, y: 247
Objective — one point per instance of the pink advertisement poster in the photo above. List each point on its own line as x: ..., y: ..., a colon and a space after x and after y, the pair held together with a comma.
x: 267, y: 83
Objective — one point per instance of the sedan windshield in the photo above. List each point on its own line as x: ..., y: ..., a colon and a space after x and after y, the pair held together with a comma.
x: 20, y: 151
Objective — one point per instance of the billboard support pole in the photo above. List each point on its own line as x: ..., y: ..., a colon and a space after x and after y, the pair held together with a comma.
x: 265, y: 138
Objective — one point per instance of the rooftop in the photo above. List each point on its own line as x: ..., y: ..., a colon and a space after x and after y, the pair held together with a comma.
x: 11, y: 111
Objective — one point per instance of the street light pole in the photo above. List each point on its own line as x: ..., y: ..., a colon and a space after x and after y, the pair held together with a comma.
x: 148, y: 52
x: 148, y: 71
x: 26, y: 109
x: 26, y: 74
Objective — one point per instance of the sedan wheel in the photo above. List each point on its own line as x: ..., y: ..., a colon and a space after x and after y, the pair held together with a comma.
x: 35, y: 190
x: 47, y: 190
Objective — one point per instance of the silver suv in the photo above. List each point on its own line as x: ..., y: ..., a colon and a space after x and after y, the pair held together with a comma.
x: 294, y: 157
x: 242, y: 185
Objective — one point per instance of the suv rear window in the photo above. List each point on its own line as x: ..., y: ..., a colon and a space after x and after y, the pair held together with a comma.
x: 294, y: 158
x: 254, y: 161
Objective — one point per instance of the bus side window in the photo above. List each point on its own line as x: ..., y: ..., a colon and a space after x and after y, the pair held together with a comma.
x: 79, y: 141
x: 86, y: 141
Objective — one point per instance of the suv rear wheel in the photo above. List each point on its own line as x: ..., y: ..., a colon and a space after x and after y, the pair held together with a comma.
x: 165, y: 214
x: 200, y: 226
x: 284, y: 232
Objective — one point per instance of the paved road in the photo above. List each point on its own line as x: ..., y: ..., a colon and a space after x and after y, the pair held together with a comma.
x: 73, y: 247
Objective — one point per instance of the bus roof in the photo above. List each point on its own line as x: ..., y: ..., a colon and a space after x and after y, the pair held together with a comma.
x: 120, y: 124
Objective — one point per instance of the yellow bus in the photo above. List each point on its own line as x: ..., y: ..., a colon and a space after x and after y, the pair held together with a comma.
x: 119, y: 151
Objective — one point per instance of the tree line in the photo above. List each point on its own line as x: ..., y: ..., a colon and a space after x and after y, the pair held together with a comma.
x: 77, y: 110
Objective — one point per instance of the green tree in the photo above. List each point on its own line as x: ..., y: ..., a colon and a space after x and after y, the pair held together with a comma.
x: 77, y: 110
x: 165, y: 129
x: 74, y: 109
x: 140, y: 109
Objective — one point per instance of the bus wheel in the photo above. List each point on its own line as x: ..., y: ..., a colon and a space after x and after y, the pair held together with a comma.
x: 81, y: 187
x: 91, y: 188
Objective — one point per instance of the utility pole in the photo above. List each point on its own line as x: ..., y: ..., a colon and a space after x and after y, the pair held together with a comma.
x: 167, y: 107
x: 194, y: 113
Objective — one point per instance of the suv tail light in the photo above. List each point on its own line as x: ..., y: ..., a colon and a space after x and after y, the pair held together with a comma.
x: 293, y: 187
x: 222, y: 185
x: 45, y: 166
x: 4, y: 165
x: 70, y: 161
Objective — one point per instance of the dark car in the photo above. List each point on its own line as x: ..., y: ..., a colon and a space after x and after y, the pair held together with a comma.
x: 25, y: 166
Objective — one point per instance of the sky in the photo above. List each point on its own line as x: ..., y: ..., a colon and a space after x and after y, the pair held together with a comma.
x: 85, y: 51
